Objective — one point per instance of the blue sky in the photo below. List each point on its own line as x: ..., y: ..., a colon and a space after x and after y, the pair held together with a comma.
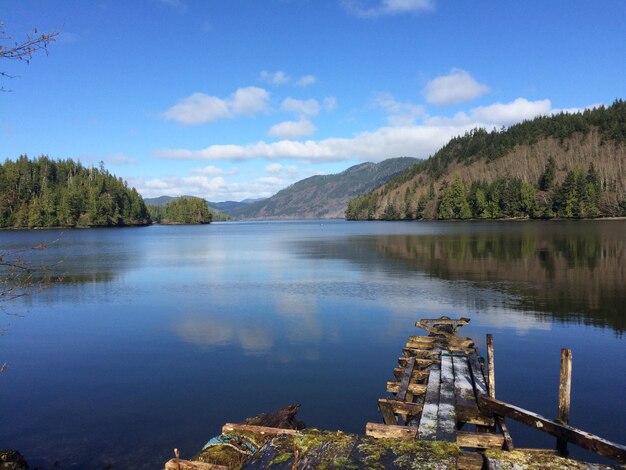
x: 235, y: 99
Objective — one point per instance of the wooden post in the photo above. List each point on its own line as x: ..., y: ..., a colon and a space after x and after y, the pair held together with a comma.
x: 490, y: 367
x: 565, y: 388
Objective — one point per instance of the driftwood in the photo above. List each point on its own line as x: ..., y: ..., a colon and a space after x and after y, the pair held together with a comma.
x: 285, y: 418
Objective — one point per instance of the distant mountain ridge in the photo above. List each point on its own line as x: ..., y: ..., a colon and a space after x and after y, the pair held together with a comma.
x: 324, y: 196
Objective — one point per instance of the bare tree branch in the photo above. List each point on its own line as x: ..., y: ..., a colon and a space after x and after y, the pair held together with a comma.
x: 23, y: 50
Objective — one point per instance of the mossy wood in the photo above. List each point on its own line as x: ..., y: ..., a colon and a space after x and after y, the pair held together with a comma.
x: 576, y: 436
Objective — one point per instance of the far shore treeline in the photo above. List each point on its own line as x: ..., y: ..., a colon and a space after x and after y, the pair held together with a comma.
x: 46, y: 193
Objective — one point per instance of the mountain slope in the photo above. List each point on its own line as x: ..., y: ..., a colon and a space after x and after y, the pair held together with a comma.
x: 324, y: 196
x: 567, y: 165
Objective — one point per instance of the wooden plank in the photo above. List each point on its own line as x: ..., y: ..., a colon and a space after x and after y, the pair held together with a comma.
x: 403, y: 407
x: 435, y: 331
x: 440, y: 345
x: 387, y: 411
x: 423, y: 363
x: 427, y: 429
x: 479, y: 440
x: 508, y: 440
x: 565, y: 388
x: 180, y: 464
x: 415, y: 389
x: 404, y: 384
x: 490, y: 367
x: 464, y: 397
x: 446, y: 416
x: 455, y: 340
x: 576, y: 436
x: 417, y: 374
x: 264, y: 430
x: 477, y: 376
x: 444, y: 321
x: 420, y: 353
x: 383, y: 431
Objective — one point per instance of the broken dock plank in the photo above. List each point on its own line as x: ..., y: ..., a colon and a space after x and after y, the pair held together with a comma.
x: 404, y: 384
x: 403, y: 407
x: 480, y: 440
x: 384, y: 431
x: 466, y: 405
x: 576, y: 436
x: 446, y: 415
x: 415, y: 389
x: 427, y: 429
x: 417, y: 374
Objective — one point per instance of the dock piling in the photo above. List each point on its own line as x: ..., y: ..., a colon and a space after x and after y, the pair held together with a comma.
x: 565, y: 388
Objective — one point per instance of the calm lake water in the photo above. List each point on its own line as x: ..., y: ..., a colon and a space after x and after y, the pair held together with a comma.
x: 159, y: 335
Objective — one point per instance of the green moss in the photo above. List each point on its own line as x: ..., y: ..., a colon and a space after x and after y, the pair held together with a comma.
x: 280, y: 458
x: 344, y: 462
x: 372, y: 452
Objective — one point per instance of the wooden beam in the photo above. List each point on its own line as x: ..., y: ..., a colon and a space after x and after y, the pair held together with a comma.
x: 417, y: 374
x: 576, y: 436
x: 423, y: 363
x: 427, y: 429
x: 444, y: 321
x: 420, y: 353
x: 446, y: 416
x: 180, y: 464
x: 479, y: 440
x: 415, y: 389
x: 264, y: 430
x: 401, y: 406
x: 389, y: 416
x: 490, y: 367
x: 508, y: 440
x: 464, y: 396
x: 383, y: 431
x: 565, y: 388
x: 404, y: 384
x: 455, y: 340
x: 477, y: 375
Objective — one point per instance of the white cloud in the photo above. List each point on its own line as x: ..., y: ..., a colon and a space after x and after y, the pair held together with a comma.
x: 330, y: 103
x: 497, y: 114
x: 309, y: 107
x: 249, y: 101
x: 292, y: 129
x: 201, y: 109
x: 274, y: 168
x: 213, y: 171
x: 456, y: 87
x: 275, y: 78
x: 306, y: 80
x: 281, y: 78
x: 120, y: 159
x: 386, y: 142
x: 399, y: 114
x: 417, y: 140
x: 364, y: 9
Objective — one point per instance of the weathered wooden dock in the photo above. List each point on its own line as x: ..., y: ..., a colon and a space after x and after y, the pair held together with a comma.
x: 438, y: 383
x: 442, y: 392
x: 441, y: 413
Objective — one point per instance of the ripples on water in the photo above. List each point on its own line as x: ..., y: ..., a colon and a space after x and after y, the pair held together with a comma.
x: 157, y: 336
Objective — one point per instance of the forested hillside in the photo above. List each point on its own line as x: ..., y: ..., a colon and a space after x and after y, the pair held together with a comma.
x: 63, y: 193
x: 324, y: 196
x: 566, y: 165
x: 181, y: 210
